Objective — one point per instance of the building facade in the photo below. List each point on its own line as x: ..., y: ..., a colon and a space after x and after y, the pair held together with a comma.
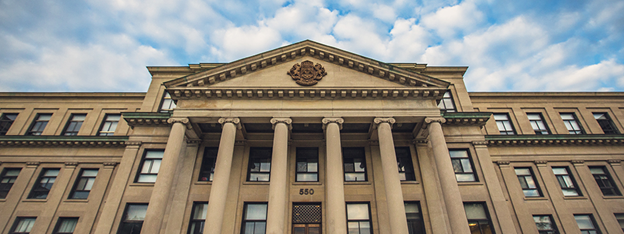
x: 308, y: 138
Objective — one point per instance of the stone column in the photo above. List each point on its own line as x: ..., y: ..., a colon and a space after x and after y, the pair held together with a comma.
x: 450, y: 190
x: 160, y: 194
x: 392, y: 180
x: 221, y: 179
x: 278, y: 187
x: 431, y: 186
x: 334, y: 178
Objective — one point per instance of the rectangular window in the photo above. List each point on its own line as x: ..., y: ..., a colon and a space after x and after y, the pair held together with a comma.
x: 415, y: 222
x: 150, y: 166
x: 74, y: 124
x: 537, y: 122
x: 109, y: 125
x: 620, y: 219
x: 504, y: 124
x: 259, y: 164
x: 358, y: 218
x: 587, y: 224
x: 44, y: 184
x: 23, y: 225
x: 404, y: 160
x: 570, y: 121
x: 464, y: 171
x: 605, y: 123
x: 604, y: 181
x: 527, y: 182
x: 306, y: 218
x: 132, y: 221
x: 66, y: 226
x: 446, y: 104
x: 307, y: 164
x: 198, y: 218
x: 84, y: 183
x: 39, y: 124
x: 545, y: 224
x: 478, y: 218
x: 567, y: 183
x: 167, y: 103
x: 254, y: 218
x: 209, y: 161
x: 6, y: 120
x: 7, y: 179
x: 354, y: 160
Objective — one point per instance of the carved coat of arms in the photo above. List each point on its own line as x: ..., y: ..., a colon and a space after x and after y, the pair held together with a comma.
x: 307, y: 73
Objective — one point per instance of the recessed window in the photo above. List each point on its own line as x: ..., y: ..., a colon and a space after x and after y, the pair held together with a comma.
x: 198, y: 218
x: 7, y: 179
x: 37, y: 127
x: 358, y: 218
x: 504, y: 124
x: 133, y: 218
x: 545, y: 224
x: 66, y: 226
x: 109, y: 125
x: 537, y: 122
x: 259, y: 164
x: 604, y: 181
x: 464, y: 171
x: 478, y: 219
x: 620, y: 219
x: 587, y: 224
x: 254, y: 218
x: 6, y: 120
x: 206, y: 172
x: 567, y: 183
x: 404, y: 160
x: 605, y: 123
x: 44, y: 184
x: 84, y: 184
x: 527, y: 182
x: 415, y: 222
x: 74, y: 124
x: 307, y: 164
x: 150, y: 166
x: 571, y: 123
x: 354, y: 160
x: 446, y: 104
x: 23, y: 225
x: 167, y: 103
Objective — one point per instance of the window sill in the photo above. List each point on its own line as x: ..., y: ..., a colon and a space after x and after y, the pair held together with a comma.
x: 410, y: 182
x: 535, y: 199
x: 203, y: 182
x: 77, y: 200
x: 469, y: 183
x: 256, y: 182
x: 307, y: 183
x: 142, y: 184
x: 357, y: 183
x: 574, y: 198
x: 603, y: 197
x: 35, y: 200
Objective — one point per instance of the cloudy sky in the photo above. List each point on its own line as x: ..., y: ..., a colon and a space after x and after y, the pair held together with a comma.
x: 105, y: 45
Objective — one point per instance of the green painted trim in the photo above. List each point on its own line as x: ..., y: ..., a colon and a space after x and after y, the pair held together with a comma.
x: 467, y: 115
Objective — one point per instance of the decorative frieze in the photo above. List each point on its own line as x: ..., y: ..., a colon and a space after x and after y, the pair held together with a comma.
x: 62, y: 141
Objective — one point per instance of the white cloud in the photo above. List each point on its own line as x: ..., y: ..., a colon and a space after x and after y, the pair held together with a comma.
x: 451, y: 20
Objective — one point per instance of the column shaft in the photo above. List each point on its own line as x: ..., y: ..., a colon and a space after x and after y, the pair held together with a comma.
x: 276, y: 213
x: 334, y: 182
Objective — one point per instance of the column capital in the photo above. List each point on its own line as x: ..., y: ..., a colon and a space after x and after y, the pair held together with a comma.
x: 178, y: 120
x: 286, y: 121
x: 388, y: 120
x: 438, y: 119
x: 327, y: 121
x: 235, y: 121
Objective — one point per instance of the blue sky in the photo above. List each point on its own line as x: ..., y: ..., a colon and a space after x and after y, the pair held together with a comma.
x: 105, y: 45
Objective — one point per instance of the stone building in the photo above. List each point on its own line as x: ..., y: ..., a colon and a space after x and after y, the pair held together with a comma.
x: 308, y: 138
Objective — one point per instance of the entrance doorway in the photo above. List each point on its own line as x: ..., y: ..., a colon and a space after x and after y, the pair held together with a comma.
x: 306, y: 218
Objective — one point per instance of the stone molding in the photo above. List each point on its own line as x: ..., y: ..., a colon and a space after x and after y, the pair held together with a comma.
x: 578, y: 161
x: 480, y: 143
x: 614, y: 161
x: 32, y: 164
x: 502, y: 163
x: 193, y: 141
x: 322, y: 93
x: 540, y: 142
x: 430, y: 120
x: 420, y: 141
x: 133, y: 143
x: 327, y: 121
x: 286, y: 121
x: 71, y: 164
x: 110, y: 164
x: 388, y: 120
x: 62, y: 141
x: 235, y: 121
x: 540, y: 163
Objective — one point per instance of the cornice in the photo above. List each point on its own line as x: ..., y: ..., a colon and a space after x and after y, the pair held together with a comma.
x: 467, y: 118
x: 554, y: 140
x: 146, y: 118
x: 63, y: 141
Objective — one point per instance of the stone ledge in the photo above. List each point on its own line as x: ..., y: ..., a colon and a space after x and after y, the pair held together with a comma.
x: 146, y: 118
x: 467, y: 118
x: 559, y: 139
x: 63, y: 141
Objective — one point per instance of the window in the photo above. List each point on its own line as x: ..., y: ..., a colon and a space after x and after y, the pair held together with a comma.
x: 587, y: 224
x: 605, y: 123
x: 415, y: 222
x: 22, y: 225
x: 504, y: 125
x: 167, y: 103
x: 5, y: 122
x: 404, y: 160
x: 307, y: 218
x: 254, y: 221
x: 132, y: 221
x: 44, y: 184
x: 544, y: 224
x: 150, y: 166
x: 620, y: 219
x: 570, y: 121
x: 109, y: 125
x: 307, y: 164
x: 478, y: 220
x: 74, y: 124
x: 198, y: 218
x: 567, y: 183
x: 604, y: 181
x: 259, y: 164
x: 358, y: 218
x: 209, y: 161
x: 39, y: 124
x: 446, y: 104
x: 9, y: 175
x: 527, y: 182
x: 354, y: 160
x: 66, y: 226
x: 462, y: 165
x: 84, y: 183
x: 537, y: 122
